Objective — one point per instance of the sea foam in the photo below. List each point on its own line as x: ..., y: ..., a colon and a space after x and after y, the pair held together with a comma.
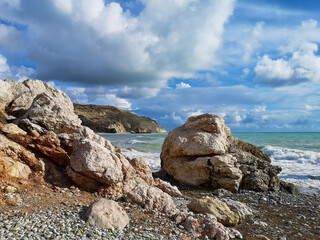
x: 152, y: 158
x: 299, y: 167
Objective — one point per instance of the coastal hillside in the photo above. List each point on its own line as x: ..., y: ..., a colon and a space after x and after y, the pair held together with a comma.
x: 109, y: 119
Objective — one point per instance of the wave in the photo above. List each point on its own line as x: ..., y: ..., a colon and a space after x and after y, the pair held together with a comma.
x: 135, y: 141
x: 298, y: 166
x: 299, y: 156
x: 152, y: 158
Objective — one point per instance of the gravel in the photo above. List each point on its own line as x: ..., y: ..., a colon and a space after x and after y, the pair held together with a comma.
x: 69, y: 223
x: 278, y: 216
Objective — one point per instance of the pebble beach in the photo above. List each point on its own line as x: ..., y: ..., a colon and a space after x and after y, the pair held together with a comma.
x: 278, y: 216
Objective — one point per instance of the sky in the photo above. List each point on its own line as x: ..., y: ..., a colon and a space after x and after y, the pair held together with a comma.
x: 254, y: 63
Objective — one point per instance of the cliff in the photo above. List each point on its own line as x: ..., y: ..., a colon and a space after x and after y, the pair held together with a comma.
x: 110, y: 119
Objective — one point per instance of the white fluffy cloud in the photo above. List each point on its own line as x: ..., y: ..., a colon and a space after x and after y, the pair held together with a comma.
x: 90, y: 41
x: 271, y: 72
x: 302, y: 66
x: 113, y: 100
x: 300, y: 61
x: 182, y: 85
x: 13, y: 72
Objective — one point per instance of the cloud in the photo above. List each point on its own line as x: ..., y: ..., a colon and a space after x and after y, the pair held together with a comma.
x: 113, y: 100
x: 312, y: 108
x: 14, y: 72
x: 196, y: 113
x: 273, y: 72
x: 252, y: 40
x: 302, y: 66
x: 94, y: 42
x: 173, y: 117
x: 95, y: 95
x: 299, y: 62
x: 182, y: 85
x: 137, y: 92
x: 10, y: 38
x: 246, y: 72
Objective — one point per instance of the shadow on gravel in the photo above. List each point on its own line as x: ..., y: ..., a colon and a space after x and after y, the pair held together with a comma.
x: 82, y: 212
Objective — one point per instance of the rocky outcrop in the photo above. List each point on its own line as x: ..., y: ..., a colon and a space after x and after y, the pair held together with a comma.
x: 46, y: 139
x: 203, y: 152
x: 109, y: 119
x: 107, y: 214
x: 47, y: 136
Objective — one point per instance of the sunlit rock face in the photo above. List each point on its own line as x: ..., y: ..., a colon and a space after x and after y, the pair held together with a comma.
x: 45, y: 137
x: 203, y: 152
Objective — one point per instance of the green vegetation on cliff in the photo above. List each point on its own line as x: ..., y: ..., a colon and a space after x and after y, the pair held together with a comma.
x: 109, y: 119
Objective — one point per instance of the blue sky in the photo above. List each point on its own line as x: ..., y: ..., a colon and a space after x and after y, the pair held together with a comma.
x: 254, y: 63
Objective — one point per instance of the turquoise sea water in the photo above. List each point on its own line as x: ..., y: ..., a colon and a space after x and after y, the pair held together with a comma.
x: 297, y: 153
x: 301, y: 141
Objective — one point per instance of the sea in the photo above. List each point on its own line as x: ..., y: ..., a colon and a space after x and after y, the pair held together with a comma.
x: 297, y: 153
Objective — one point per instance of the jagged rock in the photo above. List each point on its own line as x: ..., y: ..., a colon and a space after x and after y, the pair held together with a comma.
x: 203, y: 152
x: 217, y: 208
x: 97, y: 162
x: 18, y: 159
x: 239, y: 208
x: 167, y: 188
x: 51, y: 113
x: 16, y: 169
x: 152, y: 198
x: 107, y: 214
x: 142, y: 169
x: 84, y: 181
x: 12, y: 131
x: 49, y: 145
x: 206, y: 225
x: 114, y: 120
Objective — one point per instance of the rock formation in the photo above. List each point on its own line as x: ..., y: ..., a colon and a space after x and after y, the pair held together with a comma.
x: 46, y: 139
x: 109, y: 119
x: 203, y: 152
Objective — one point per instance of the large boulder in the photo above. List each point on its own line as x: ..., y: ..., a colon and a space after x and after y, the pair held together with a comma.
x: 203, y: 152
x: 97, y: 162
x: 50, y: 113
x: 16, y: 98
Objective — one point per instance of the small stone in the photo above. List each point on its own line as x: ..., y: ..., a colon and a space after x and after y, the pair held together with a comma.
x: 10, y: 189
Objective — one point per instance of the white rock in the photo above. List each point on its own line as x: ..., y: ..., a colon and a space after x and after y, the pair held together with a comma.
x: 93, y: 160
x: 107, y: 214
x: 152, y: 198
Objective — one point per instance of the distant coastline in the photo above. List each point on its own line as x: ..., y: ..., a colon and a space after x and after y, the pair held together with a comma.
x: 109, y: 119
